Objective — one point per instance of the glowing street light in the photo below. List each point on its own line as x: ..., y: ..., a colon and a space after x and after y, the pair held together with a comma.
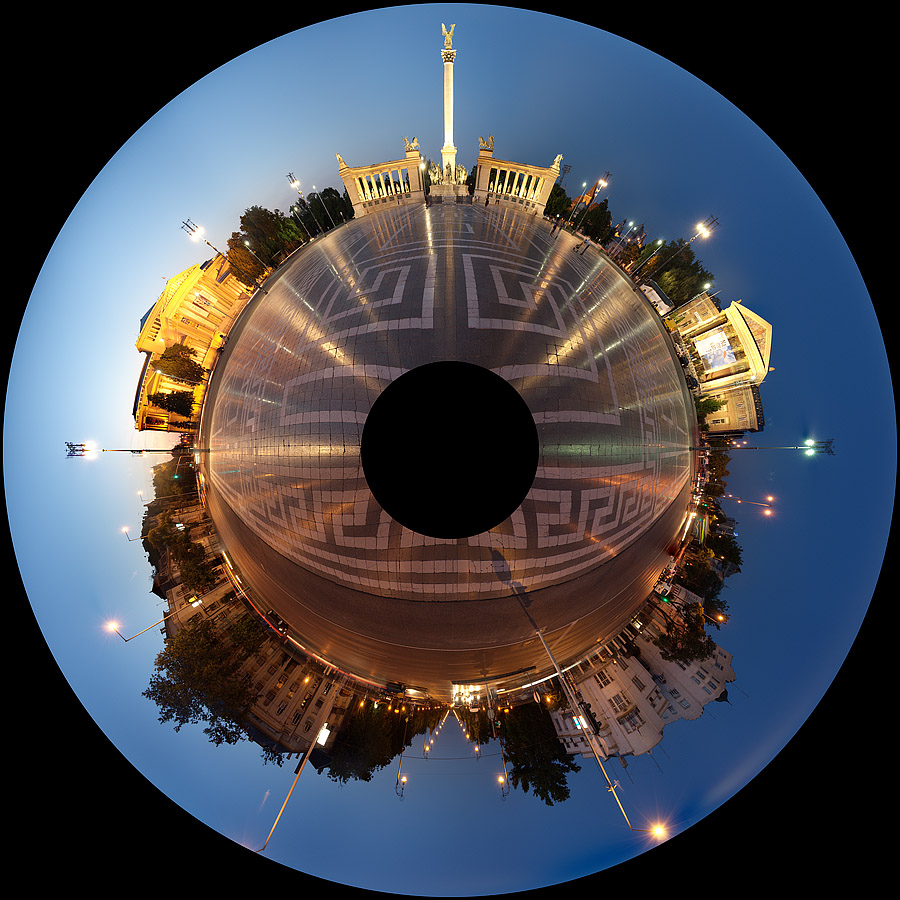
x: 125, y: 532
x: 295, y: 184
x: 326, y: 208
x: 704, y: 230
x: 768, y: 508
x: 114, y: 626
x: 196, y: 232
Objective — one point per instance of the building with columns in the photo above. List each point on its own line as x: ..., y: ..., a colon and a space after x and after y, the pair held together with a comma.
x: 521, y: 184
x: 397, y: 182
x: 728, y: 348
x: 196, y: 308
x: 403, y: 181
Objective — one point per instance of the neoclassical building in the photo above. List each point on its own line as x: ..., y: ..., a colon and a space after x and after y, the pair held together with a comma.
x: 522, y: 184
x: 403, y: 180
x: 741, y: 411
x: 398, y: 181
x: 728, y: 349
x: 196, y: 308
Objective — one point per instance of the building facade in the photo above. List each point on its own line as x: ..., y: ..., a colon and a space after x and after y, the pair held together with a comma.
x: 499, y: 181
x: 634, y: 693
x: 741, y: 411
x: 728, y: 348
x: 398, y: 182
x: 196, y: 308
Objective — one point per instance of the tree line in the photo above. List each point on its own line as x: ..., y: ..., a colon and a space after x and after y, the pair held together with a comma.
x: 267, y: 237
x: 673, y: 265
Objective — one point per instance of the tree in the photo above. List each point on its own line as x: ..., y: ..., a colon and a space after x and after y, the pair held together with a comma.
x: 536, y: 760
x: 180, y: 402
x: 596, y: 222
x: 677, y: 271
x: 196, y: 680
x: 686, y: 639
x: 263, y: 229
x: 246, y: 267
x: 177, y: 361
x: 707, y: 405
x: 558, y: 203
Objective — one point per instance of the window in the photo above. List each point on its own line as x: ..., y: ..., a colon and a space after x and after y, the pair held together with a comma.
x: 602, y: 678
x: 637, y: 683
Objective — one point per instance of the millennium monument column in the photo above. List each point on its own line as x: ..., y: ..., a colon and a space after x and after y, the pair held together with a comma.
x: 450, y: 179
x: 448, y: 151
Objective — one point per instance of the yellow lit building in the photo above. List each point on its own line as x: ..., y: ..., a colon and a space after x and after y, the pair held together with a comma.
x: 728, y: 349
x: 197, y: 308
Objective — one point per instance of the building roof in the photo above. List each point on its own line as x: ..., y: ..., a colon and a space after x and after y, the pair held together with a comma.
x: 141, y: 378
x: 760, y: 330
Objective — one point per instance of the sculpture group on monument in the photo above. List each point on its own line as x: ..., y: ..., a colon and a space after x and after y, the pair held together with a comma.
x: 403, y: 180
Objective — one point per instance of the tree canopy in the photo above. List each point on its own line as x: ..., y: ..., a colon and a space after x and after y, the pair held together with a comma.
x: 177, y: 361
x: 676, y: 269
x: 536, y: 760
x: 195, y: 680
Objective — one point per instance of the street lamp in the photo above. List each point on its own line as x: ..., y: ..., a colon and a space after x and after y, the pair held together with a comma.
x: 125, y: 532
x: 809, y: 447
x: 333, y: 225
x: 295, y: 184
x: 601, y: 184
x: 195, y: 232
x: 768, y: 505
x: 575, y: 205
x: 704, y: 229
x: 323, y: 717
x: 114, y: 626
x: 588, y: 732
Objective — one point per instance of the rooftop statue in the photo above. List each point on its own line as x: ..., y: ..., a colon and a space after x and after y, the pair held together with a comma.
x: 448, y: 36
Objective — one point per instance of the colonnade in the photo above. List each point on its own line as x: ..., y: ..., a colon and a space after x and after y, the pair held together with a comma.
x: 383, y: 183
x: 519, y: 183
x: 399, y: 180
x: 515, y: 183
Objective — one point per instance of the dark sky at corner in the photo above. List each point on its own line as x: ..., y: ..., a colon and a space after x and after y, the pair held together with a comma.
x: 763, y: 72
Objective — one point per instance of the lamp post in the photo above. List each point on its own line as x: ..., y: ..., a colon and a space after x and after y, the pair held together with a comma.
x: 574, y: 205
x: 401, y: 779
x: 618, y: 245
x: 82, y: 450
x: 295, y: 184
x: 195, y: 233
x: 809, y: 447
x: 657, y: 830
x: 602, y: 184
x: 704, y: 229
x: 768, y: 506
x: 323, y: 716
x: 333, y: 225
x: 114, y: 626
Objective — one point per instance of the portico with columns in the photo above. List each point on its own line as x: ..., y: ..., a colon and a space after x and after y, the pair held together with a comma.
x: 399, y: 181
x: 502, y: 181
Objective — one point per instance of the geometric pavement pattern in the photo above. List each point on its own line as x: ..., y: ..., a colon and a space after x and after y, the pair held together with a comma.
x: 399, y: 288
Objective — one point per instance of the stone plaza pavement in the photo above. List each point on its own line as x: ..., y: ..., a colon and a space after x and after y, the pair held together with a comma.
x: 392, y: 291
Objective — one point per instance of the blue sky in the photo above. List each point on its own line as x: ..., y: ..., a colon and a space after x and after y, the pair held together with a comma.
x: 677, y: 152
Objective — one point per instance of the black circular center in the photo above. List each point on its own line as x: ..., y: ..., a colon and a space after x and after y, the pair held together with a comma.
x: 449, y: 449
